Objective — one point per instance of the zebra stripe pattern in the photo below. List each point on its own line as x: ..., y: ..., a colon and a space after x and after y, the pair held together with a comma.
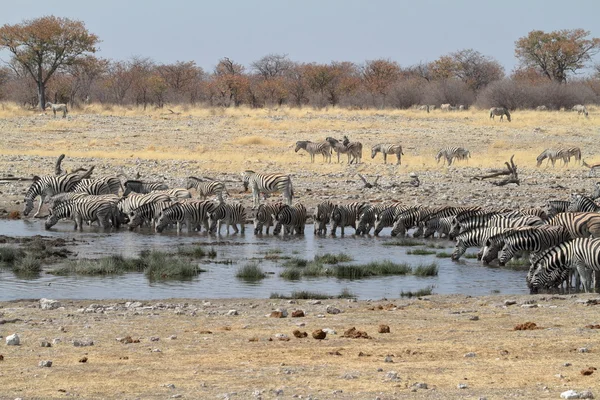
x: 106, y: 185
x: 579, y: 224
x: 323, y: 148
x: 388, y: 217
x: 533, y: 239
x: 191, y: 213
x: 146, y: 212
x: 57, y: 107
x: 175, y: 194
x: 268, y: 183
x: 583, y: 204
x: 206, y: 188
x: 448, y: 154
x: 352, y: 149
x: 441, y: 226
x: 345, y: 215
x: 366, y: 219
x: 386, y: 149
x: 142, y: 187
x: 475, y: 237
x: 322, y: 217
x: 554, y: 207
x: 265, y: 216
x: 499, y: 111
x: 292, y: 219
x: 98, y: 210
x: 566, y: 153
x: 134, y: 200
x: 231, y: 214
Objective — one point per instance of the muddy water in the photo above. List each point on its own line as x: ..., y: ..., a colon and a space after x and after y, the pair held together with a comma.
x: 465, y: 277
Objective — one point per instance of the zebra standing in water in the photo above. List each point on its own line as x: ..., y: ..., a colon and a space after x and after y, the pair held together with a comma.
x: 534, y: 239
x: 231, y: 214
x: 142, y: 187
x: 50, y: 185
x: 322, y: 216
x: 323, y: 148
x: 501, y: 111
x: 551, y: 269
x: 451, y: 153
x: 367, y: 218
x: 106, y: 185
x: 267, y: 183
x: 476, y: 237
x: 57, y: 107
x: 80, y: 210
x: 134, y: 200
x: 190, y: 213
x: 206, y: 188
x: 147, y: 212
x: 386, y: 149
x: 579, y: 224
x: 265, y: 215
x: 345, y: 215
x: 292, y: 219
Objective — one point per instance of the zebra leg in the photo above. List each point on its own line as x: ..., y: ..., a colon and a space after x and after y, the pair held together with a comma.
x: 78, y: 221
x: 384, y: 157
x: 398, y: 156
x: 42, y: 198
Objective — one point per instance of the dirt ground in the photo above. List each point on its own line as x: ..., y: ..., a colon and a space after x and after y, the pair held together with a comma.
x: 206, y: 353
x: 196, y: 349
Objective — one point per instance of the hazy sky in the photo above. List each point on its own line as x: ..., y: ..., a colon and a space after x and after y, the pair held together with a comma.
x: 310, y: 30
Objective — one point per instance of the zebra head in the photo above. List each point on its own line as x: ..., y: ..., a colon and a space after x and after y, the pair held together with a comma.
x: 505, y: 254
x: 491, y: 251
x: 374, y: 151
x: 454, y: 229
x: 300, y: 144
x: 135, y: 220
x: 459, y: 250
x: 419, y: 231
x: 28, y: 206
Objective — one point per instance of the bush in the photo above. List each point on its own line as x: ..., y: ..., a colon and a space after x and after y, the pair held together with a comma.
x: 10, y: 254
x: 292, y: 274
x: 250, y: 272
x: 426, y: 270
x: 332, y: 258
x: 28, y: 265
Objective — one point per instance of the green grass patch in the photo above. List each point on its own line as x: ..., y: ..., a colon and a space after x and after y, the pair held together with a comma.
x: 329, y: 258
x: 291, y: 274
x: 435, y: 246
x: 418, y: 293
x: 212, y: 253
x: 164, y: 266
x: 420, y: 252
x: 406, y: 242
x: 112, y: 265
x: 308, y: 295
x: 250, y: 272
x: 346, y: 294
x: 194, y: 252
x: 443, y: 254
x: 296, y: 262
x: 315, y: 269
x: 11, y: 254
x: 27, y: 265
x: 470, y: 255
x: 376, y: 268
x: 426, y: 270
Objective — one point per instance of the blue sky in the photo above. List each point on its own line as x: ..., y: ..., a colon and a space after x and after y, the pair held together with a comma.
x: 311, y: 30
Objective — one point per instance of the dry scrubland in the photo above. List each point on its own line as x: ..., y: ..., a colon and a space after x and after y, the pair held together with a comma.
x: 223, y: 142
x: 215, y: 354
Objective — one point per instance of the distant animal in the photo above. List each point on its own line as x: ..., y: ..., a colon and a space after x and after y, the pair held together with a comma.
x: 593, y: 167
x: 267, y: 183
x: 580, y: 109
x: 567, y: 152
x: 451, y: 153
x: 461, y: 107
x: 550, y: 155
x: 424, y: 108
x: 541, y: 108
x: 58, y: 107
x: 445, y: 107
x: 386, y: 149
x: 501, y: 111
x: 323, y: 148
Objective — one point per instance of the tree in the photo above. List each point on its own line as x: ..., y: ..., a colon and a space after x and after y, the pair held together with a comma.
x: 557, y: 53
x: 229, y: 82
x: 272, y: 65
x: 378, y: 77
x: 45, y: 44
x: 470, y: 66
x: 181, y: 77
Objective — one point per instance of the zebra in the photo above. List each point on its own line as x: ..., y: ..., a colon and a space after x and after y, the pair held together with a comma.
x: 265, y: 215
x: 291, y: 218
x: 386, y: 149
x: 205, y: 188
x: 231, y: 214
x: 412, y: 217
x: 142, y: 187
x: 596, y: 193
x: 581, y: 109
x: 583, y: 204
x: 57, y: 107
x: 106, y: 185
x: 501, y: 111
x: 554, y: 207
x: 440, y: 225
x: 579, y: 224
x: 499, y: 220
x: 344, y: 215
x: 80, y: 211
x: 533, y: 239
x: 190, y: 213
x: 322, y: 216
x: 367, y: 218
x: 541, y: 108
x: 147, y: 212
x: 581, y: 254
x: 552, y: 156
x: 49, y: 185
x: 451, y: 153
x: 135, y: 200
x: 323, y: 148
x: 475, y: 237
x: 267, y: 183
x: 352, y: 149
x: 566, y: 153
x: 388, y: 217
x: 175, y: 194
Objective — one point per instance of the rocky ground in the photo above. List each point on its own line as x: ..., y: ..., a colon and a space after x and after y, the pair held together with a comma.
x: 435, y: 347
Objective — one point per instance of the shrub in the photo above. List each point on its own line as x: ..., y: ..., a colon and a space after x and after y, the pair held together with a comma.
x: 250, y: 272
x: 418, y: 293
x: 332, y: 258
x: 426, y: 270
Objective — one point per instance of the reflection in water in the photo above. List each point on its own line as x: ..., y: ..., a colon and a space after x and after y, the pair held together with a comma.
x: 467, y: 277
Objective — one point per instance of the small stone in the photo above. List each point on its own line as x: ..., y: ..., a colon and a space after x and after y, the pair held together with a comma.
x: 156, y: 339
x: 173, y: 337
x: 567, y: 364
x: 529, y: 306
x: 319, y: 334
x: 470, y: 354
x: 56, y: 341
x: 297, y: 314
x: 48, y: 304
x: 383, y: 329
x: 462, y: 386
x: 420, y: 385
x: 569, y: 394
x: 176, y: 396
x: 83, y: 360
x: 281, y: 336
x: 588, y: 371
x: 157, y: 351
x: 45, y: 363
x: 299, y: 334
x: 586, y: 394
x: 392, y: 375
x: 474, y: 318
x: 581, y: 350
x: 13, y: 340
x: 83, y: 343
x: 388, y: 359
x: 332, y: 310
x: 45, y: 344
x: 329, y: 331
x: 232, y: 312
x: 315, y: 302
x: 509, y: 303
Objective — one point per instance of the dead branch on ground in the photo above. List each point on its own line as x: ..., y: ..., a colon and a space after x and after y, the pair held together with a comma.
x: 510, y: 172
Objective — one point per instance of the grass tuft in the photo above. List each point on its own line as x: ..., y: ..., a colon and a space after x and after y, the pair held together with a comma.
x: 444, y: 254
x: 296, y: 262
x: 332, y: 258
x: 376, y: 268
x: 407, y: 242
x: 10, y: 254
x: 28, y: 265
x: 250, y: 272
x: 291, y: 274
x: 426, y: 270
x: 418, y: 293
x: 420, y: 252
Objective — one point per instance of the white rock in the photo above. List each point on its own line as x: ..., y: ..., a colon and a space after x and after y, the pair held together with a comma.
x: 283, y: 312
x: 569, y: 394
x: 48, y: 304
x: 333, y: 310
x: 586, y: 394
x: 470, y: 355
x: 13, y: 340
x: 329, y: 331
x: 420, y: 385
x: 45, y: 363
x: 462, y: 386
x: 232, y: 312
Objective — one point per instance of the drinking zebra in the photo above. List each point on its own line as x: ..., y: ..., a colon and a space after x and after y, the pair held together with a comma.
x: 292, y: 219
x: 142, y: 187
x: 323, y: 148
x: 80, y: 211
x: 58, y: 107
x: 501, y: 111
x: 50, y: 185
x: 533, y: 239
x: 231, y: 214
x: 386, y: 149
x: 267, y: 183
x: 205, y: 188
x: 105, y: 185
x: 135, y: 200
x: 451, y: 153
x: 388, y: 217
x: 441, y: 226
x: 345, y: 215
x: 191, y: 213
x: 475, y: 237
x: 582, y: 203
x: 580, y: 109
x: 579, y: 224
x: 411, y: 218
x: 322, y: 216
x: 147, y: 212
x: 551, y: 269
x: 265, y: 215
x: 367, y: 218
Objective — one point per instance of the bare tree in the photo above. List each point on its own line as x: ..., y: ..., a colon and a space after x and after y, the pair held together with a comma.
x: 119, y: 80
x: 45, y: 44
x: 272, y: 66
x: 141, y: 69
x: 470, y: 66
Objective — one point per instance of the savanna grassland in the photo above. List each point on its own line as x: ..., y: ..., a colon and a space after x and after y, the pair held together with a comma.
x: 199, y: 349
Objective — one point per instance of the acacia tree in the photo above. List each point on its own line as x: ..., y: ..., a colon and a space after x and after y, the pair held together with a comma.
x: 45, y: 44
x: 470, y: 66
x: 557, y: 53
x: 379, y: 76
